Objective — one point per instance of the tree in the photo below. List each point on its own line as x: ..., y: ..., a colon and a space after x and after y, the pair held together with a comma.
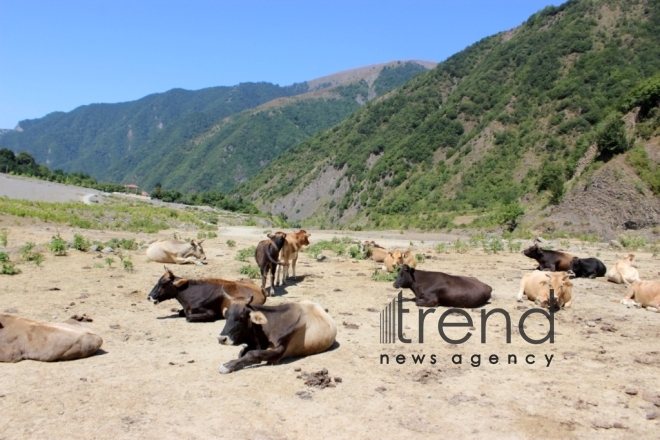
x: 510, y: 214
x: 611, y: 138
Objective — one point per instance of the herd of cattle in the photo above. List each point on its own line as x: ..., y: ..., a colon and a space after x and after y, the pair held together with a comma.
x: 272, y: 333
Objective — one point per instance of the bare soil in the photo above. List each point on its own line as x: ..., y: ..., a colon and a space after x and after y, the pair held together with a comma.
x: 156, y: 376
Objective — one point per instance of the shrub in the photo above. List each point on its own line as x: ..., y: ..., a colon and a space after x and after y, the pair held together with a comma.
x: 633, y: 242
x: 57, y: 245
x: 379, y: 275
x: 4, y: 257
x: 250, y: 271
x: 460, y: 247
x: 29, y: 254
x: 9, y: 269
x: 80, y: 243
x: 356, y: 253
x: 441, y: 248
x: 3, y: 237
x: 245, y: 254
x: 231, y: 243
x: 494, y: 245
x: 109, y: 261
x: 611, y: 138
x: 420, y: 258
x: 514, y: 246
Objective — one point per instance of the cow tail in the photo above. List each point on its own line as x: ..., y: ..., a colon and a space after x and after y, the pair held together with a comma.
x: 272, y: 260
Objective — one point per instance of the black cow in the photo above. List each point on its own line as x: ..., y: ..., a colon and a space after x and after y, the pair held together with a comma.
x: 433, y: 289
x: 202, y: 299
x: 266, y: 255
x: 587, y: 267
x: 272, y: 333
x: 549, y: 260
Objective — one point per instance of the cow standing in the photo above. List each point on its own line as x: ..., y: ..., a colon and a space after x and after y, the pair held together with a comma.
x: 177, y: 252
x: 292, y: 244
x: 202, y: 299
x: 434, y: 289
x: 272, y: 333
x: 266, y: 255
x: 22, y: 338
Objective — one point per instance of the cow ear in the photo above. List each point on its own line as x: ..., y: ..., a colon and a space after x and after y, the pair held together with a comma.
x: 200, y: 241
x: 180, y: 282
x: 258, y: 318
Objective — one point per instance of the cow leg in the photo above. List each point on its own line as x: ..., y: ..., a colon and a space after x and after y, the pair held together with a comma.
x: 201, y: 315
x: 628, y: 299
x: 272, y: 280
x: 424, y: 301
x: 293, y: 266
x: 279, y: 274
x: 271, y: 355
x: 182, y: 313
x: 179, y: 260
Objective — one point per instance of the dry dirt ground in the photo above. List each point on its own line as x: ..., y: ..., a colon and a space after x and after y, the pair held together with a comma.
x: 157, y: 377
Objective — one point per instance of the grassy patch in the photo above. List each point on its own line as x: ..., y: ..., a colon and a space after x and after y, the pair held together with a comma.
x: 250, y: 271
x: 245, y: 254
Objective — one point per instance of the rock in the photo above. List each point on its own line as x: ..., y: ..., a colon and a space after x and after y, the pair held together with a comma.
x: 11, y: 310
x: 616, y: 244
x: 541, y: 240
x: 305, y: 395
x: 94, y: 248
x: 107, y: 250
x: 602, y: 425
x: 321, y: 257
x: 652, y: 415
x: 337, y: 290
x: 350, y: 325
x: 115, y: 326
x: 338, y: 379
x: 608, y: 328
x: 591, y: 324
x: 459, y: 398
x: 381, y: 389
x: 360, y: 274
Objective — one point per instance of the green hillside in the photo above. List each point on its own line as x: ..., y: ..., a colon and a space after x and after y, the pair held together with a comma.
x: 192, y: 141
x: 504, y: 121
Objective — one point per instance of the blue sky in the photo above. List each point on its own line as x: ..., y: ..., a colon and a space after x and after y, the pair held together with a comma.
x: 56, y: 55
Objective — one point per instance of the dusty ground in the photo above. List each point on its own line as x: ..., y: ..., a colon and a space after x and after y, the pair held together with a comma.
x: 157, y: 375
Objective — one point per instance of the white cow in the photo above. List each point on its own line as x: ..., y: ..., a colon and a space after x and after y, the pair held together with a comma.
x: 177, y: 252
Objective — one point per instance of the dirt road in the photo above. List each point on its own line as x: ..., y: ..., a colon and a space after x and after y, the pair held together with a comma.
x: 157, y: 375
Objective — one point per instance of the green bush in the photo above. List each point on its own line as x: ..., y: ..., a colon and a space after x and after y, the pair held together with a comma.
x: 356, y: 253
x: 9, y: 269
x: 4, y: 257
x: 441, y: 248
x: 633, y: 242
x: 611, y: 138
x: 380, y: 275
x: 493, y: 245
x: 420, y: 258
x: 231, y: 243
x: 80, y: 243
x: 109, y: 261
x: 336, y: 245
x: 514, y: 246
x: 245, y: 254
x: 57, y: 245
x: 250, y: 271
x: 460, y: 247
x: 3, y: 237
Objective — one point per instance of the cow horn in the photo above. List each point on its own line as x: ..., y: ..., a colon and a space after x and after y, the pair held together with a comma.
x: 225, y: 294
x: 249, y: 301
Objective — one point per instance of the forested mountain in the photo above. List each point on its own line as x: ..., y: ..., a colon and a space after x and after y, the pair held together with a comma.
x: 505, y: 124
x: 198, y: 140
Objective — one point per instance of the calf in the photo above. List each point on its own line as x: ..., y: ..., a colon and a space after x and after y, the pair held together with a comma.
x: 177, y: 252
x: 536, y: 286
x: 434, y: 289
x: 587, y: 267
x: 266, y: 255
x: 549, y: 260
x: 645, y: 294
x: 624, y: 271
x: 392, y: 259
x: 202, y: 299
x: 22, y: 338
x: 272, y: 333
x: 378, y: 254
x: 292, y: 244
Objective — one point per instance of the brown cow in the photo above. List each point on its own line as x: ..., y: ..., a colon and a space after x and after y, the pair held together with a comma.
x: 548, y: 259
x: 292, y: 244
x: 202, y: 299
x: 624, y: 271
x: 408, y: 257
x: 644, y: 294
x: 536, y: 286
x: 392, y: 259
x: 22, y: 338
x: 272, y: 333
x: 266, y: 255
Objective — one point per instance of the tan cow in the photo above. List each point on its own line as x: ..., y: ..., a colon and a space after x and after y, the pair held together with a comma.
x: 644, y: 294
x: 392, y: 259
x: 289, y: 252
x: 22, y: 338
x: 624, y: 271
x: 536, y: 286
x: 378, y: 254
x: 178, y: 252
x: 408, y: 257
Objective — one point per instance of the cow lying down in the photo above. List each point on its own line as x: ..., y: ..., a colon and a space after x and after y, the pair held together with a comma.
x: 22, y: 339
x: 434, y: 289
x: 624, y: 271
x: 177, y: 252
x: 202, y: 299
x: 272, y: 333
x: 644, y: 294
x: 536, y: 286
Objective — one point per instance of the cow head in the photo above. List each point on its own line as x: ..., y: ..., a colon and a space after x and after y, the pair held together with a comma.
x: 534, y: 252
x: 196, y: 250
x: 277, y: 239
x: 239, y: 320
x: 302, y: 237
x: 562, y: 286
x: 405, y: 278
x: 574, y: 268
x: 167, y: 287
x: 396, y: 256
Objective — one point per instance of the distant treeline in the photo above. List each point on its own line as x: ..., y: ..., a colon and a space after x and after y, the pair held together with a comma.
x: 24, y: 164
